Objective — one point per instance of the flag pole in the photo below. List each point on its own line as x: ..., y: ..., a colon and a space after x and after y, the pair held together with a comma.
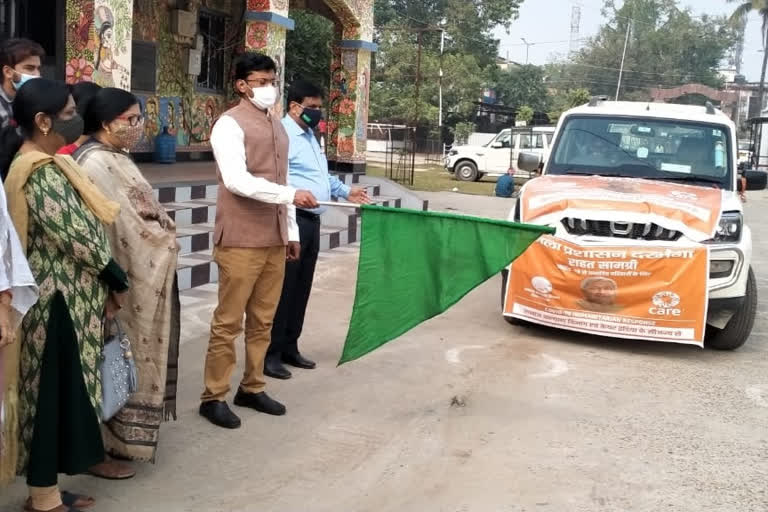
x: 334, y: 203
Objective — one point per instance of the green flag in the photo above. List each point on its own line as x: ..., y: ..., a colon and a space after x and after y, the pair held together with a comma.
x: 414, y: 265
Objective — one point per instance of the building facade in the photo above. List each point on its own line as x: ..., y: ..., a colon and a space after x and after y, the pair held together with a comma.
x: 176, y: 56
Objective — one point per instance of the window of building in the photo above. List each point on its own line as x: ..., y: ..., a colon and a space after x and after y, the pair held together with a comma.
x: 213, y: 30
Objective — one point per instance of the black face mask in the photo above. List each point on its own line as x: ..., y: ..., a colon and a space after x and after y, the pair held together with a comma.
x: 311, y: 116
x: 71, y: 129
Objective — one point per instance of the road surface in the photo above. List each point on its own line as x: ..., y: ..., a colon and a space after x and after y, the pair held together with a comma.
x: 468, y: 414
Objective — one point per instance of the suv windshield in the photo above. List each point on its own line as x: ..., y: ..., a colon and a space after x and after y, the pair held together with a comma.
x: 663, y: 149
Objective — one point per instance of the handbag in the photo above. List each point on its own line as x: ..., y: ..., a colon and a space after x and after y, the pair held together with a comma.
x: 119, y: 379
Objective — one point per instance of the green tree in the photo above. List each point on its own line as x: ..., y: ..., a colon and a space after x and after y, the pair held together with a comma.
x: 308, y: 49
x: 667, y: 46
x: 523, y: 85
x: 525, y: 113
x: 469, y: 56
x: 462, y: 131
x: 565, y: 100
x: 738, y: 19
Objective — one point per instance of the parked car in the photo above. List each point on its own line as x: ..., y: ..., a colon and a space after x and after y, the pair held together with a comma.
x: 745, y: 151
x: 652, y: 181
x: 471, y: 163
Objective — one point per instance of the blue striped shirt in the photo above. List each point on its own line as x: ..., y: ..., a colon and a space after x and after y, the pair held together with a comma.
x: 308, y: 167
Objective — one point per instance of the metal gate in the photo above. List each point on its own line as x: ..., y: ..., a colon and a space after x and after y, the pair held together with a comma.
x: 401, y: 155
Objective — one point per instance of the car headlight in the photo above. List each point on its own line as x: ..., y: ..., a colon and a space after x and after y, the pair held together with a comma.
x: 729, y: 229
x: 720, y: 268
x: 453, y: 152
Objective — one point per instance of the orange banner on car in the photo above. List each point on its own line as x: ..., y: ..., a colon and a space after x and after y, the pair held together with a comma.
x: 656, y: 293
x: 694, y: 211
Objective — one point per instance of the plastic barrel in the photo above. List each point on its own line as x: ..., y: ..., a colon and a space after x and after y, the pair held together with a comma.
x: 165, y: 147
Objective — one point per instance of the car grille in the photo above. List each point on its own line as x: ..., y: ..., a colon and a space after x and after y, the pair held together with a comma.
x: 605, y: 228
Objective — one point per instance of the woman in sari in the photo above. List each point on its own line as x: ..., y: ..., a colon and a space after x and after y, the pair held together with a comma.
x: 59, y: 216
x: 143, y: 241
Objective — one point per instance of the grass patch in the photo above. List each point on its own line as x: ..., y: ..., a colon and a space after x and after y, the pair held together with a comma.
x: 434, y: 178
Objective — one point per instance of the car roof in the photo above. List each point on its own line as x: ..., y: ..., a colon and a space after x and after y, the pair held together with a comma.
x: 653, y: 110
x: 530, y: 128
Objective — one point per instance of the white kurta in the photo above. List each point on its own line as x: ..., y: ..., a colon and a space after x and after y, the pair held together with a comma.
x: 15, y: 276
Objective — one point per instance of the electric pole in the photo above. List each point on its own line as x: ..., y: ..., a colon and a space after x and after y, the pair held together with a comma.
x: 418, y: 80
x: 440, y: 85
x: 527, y: 47
x: 623, y: 56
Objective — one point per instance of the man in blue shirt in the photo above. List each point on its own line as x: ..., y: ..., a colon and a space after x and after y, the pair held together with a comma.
x: 307, y: 170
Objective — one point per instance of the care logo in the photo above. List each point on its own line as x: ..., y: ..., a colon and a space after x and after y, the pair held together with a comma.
x: 665, y: 304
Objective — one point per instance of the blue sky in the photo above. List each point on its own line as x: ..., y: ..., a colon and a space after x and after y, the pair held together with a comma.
x: 547, y: 23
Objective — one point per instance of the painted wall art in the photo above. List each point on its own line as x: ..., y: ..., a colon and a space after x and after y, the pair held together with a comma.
x: 99, y: 35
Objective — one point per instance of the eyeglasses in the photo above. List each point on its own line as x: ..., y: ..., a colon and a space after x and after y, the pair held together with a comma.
x: 261, y: 82
x: 321, y: 109
x: 133, y: 120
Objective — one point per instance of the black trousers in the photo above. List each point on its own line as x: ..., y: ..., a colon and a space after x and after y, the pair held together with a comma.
x: 67, y: 436
x: 297, y: 285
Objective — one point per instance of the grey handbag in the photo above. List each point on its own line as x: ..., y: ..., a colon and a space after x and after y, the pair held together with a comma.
x: 119, y: 379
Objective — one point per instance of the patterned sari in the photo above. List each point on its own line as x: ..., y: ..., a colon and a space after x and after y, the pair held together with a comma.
x: 143, y: 241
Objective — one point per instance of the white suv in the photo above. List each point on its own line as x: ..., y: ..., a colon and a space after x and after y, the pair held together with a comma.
x: 691, y: 147
x: 471, y: 163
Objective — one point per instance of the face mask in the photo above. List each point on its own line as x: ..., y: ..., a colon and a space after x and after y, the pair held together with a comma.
x: 264, y: 97
x: 71, y: 129
x: 312, y: 116
x: 129, y: 136
x: 22, y: 80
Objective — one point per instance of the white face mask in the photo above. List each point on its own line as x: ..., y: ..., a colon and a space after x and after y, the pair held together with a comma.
x: 264, y: 97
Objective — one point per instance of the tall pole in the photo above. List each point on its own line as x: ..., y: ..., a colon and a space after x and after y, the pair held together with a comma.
x: 527, y: 47
x: 623, y: 56
x: 440, y: 88
x: 418, y: 81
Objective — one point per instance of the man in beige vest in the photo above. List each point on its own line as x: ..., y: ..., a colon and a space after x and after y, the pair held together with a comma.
x: 255, y: 232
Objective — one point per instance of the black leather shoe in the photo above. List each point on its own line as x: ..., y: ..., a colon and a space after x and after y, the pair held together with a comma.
x: 260, y: 402
x: 299, y: 361
x: 218, y: 413
x: 275, y: 369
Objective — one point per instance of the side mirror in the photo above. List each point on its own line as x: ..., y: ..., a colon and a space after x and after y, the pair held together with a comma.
x: 529, y: 161
x: 754, y: 180
x: 497, y: 145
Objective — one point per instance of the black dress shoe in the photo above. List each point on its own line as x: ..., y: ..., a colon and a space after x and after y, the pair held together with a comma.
x: 275, y: 369
x: 218, y: 413
x: 298, y: 361
x: 260, y: 402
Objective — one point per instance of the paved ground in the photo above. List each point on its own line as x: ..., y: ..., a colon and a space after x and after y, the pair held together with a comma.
x: 469, y: 414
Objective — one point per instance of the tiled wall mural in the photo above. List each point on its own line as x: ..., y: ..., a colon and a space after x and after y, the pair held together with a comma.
x: 177, y: 104
x: 98, y: 40
x: 99, y: 37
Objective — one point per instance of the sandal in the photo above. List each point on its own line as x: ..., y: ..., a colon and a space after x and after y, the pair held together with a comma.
x: 69, y: 500
x: 112, y: 470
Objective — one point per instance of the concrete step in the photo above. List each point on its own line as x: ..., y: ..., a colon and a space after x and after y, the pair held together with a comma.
x: 193, y: 207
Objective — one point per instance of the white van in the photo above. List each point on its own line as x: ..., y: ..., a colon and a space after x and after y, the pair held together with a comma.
x: 471, y: 163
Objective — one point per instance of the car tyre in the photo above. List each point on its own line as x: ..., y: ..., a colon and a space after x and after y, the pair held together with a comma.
x: 466, y: 170
x: 509, y: 319
x: 737, y: 330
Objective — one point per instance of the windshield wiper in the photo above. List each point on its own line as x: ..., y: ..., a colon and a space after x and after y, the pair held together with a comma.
x: 691, y: 178
x: 576, y: 172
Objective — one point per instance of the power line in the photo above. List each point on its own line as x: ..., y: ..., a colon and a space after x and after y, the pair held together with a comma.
x: 654, y: 73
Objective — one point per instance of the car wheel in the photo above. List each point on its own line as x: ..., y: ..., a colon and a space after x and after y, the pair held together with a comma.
x: 509, y: 319
x: 737, y: 330
x: 466, y: 171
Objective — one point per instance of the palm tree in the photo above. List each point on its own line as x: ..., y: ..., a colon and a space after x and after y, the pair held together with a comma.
x: 739, y: 18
